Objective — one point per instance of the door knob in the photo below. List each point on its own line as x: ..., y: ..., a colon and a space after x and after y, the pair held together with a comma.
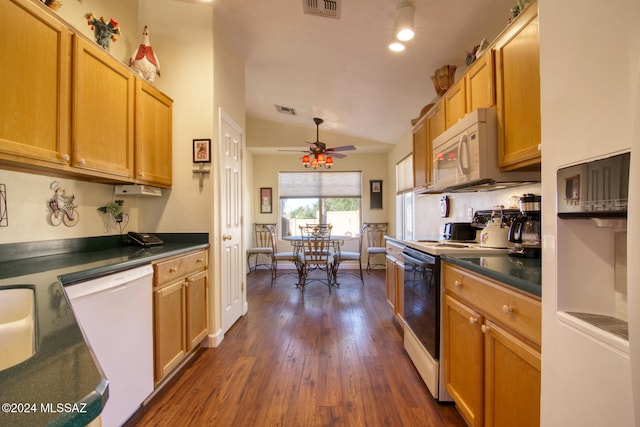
x: 226, y: 237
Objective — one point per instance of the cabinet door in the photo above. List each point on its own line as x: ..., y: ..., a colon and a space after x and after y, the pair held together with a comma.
x: 463, y: 358
x: 153, y: 146
x: 399, y: 273
x: 517, y: 55
x: 512, y: 380
x: 455, y: 103
x: 481, y: 91
x: 35, y: 78
x: 169, y: 328
x: 421, y: 156
x: 102, y: 122
x: 391, y: 281
x: 197, y: 320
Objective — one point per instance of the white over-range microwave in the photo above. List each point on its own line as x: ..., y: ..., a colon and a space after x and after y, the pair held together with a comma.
x: 465, y: 157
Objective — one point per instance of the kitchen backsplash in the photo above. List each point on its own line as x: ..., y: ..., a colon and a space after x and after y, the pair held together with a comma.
x: 429, y: 223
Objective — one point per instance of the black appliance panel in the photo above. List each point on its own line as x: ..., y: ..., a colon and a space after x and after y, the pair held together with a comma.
x: 422, y: 298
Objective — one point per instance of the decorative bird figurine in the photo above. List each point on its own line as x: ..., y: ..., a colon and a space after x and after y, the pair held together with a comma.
x: 144, y: 60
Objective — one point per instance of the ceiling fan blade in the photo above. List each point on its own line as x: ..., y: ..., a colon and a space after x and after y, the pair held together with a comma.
x: 342, y: 148
x: 337, y: 155
x: 296, y: 151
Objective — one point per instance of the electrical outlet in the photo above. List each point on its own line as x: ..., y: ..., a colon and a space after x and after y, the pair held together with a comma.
x: 470, y: 214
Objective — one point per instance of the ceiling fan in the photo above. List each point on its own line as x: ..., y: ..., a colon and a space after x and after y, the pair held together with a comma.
x: 318, y: 153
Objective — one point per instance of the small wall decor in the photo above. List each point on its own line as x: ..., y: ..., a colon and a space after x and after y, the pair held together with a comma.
x: 117, y: 216
x: 201, y: 151
x: 61, y: 207
x: 266, y: 205
x: 104, y: 31
x: 375, y: 194
x: 4, y: 219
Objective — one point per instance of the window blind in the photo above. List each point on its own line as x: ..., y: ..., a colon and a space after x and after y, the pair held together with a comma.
x: 319, y: 184
x: 404, y: 174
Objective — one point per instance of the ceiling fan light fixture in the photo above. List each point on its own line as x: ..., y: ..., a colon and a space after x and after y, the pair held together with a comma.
x: 328, y: 162
x: 321, y: 159
x: 305, y: 161
x: 404, y: 22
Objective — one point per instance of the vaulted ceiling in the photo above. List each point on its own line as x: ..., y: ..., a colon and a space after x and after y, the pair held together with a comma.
x: 342, y: 70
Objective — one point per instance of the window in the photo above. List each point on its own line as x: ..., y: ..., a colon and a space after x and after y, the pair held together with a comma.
x: 320, y: 197
x: 404, y: 197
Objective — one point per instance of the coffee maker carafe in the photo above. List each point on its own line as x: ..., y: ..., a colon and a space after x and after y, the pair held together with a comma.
x: 525, y: 229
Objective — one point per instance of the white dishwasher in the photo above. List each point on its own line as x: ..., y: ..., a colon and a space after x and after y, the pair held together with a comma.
x: 115, y: 314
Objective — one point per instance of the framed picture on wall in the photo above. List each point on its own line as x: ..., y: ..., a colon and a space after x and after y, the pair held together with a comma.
x: 375, y: 194
x: 265, y: 200
x: 201, y: 151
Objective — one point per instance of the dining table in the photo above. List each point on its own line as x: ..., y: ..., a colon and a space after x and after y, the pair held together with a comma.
x: 337, y: 241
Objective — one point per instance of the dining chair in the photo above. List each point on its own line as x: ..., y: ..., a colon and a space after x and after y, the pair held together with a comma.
x: 353, y: 256
x: 262, y: 246
x: 316, y: 254
x: 375, y: 243
x: 290, y: 256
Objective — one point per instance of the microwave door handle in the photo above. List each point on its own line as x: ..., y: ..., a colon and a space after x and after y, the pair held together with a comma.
x: 463, y: 148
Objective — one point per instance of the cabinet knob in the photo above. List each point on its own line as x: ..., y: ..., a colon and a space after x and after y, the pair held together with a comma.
x: 458, y: 283
x: 473, y: 320
x: 82, y: 162
x: 506, y: 309
x: 484, y: 329
x: 65, y: 157
x: 173, y: 269
x: 141, y: 175
x: 200, y: 260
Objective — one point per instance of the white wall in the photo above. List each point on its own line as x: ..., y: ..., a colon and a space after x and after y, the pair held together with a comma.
x: 589, y: 61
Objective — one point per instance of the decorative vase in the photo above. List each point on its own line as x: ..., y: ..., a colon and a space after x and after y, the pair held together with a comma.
x: 102, y: 34
x: 443, y: 78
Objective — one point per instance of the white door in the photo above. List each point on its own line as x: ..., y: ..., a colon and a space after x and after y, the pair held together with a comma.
x: 232, y: 268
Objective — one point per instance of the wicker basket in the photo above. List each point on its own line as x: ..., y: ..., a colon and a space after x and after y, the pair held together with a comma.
x: 443, y: 78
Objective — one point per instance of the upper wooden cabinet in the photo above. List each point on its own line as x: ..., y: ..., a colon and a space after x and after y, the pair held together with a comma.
x: 480, y: 82
x: 35, y: 76
x: 69, y: 106
x: 517, y: 56
x: 102, y: 120
x: 429, y: 127
x: 455, y: 102
x: 153, y: 147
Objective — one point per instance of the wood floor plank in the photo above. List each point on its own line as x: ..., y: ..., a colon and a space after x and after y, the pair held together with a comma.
x: 312, y: 359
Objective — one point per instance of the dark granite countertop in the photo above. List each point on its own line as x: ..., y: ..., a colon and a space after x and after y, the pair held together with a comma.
x: 524, y: 274
x: 62, y: 384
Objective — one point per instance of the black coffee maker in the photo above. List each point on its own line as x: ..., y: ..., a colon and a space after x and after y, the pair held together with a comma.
x: 525, y: 229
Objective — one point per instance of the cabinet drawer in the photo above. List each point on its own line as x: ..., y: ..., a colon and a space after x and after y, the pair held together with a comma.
x: 178, y: 267
x: 394, y: 251
x: 518, y: 312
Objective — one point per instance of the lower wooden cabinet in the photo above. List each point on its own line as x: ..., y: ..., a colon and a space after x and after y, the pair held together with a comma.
x: 179, y: 309
x: 491, y: 350
x: 395, y: 279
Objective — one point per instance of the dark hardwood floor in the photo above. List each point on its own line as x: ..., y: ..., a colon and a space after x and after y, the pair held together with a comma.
x: 312, y: 359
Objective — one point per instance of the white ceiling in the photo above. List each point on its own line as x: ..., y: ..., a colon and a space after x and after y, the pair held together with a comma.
x: 342, y: 70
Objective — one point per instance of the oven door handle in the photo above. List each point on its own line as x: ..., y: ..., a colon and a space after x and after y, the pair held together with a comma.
x: 416, y: 261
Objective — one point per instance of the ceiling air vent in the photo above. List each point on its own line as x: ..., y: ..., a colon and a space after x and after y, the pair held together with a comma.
x: 285, y: 110
x: 323, y: 8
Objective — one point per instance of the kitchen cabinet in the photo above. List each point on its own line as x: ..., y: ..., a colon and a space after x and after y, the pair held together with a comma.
x: 492, y: 338
x: 102, y: 120
x: 179, y: 309
x: 455, y: 102
x: 73, y: 108
x: 480, y: 83
x: 153, y: 136
x: 429, y: 127
x: 517, y: 57
x: 35, y: 79
x: 395, y: 279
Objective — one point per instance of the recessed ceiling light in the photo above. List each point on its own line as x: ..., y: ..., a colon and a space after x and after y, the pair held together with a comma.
x: 396, y: 46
